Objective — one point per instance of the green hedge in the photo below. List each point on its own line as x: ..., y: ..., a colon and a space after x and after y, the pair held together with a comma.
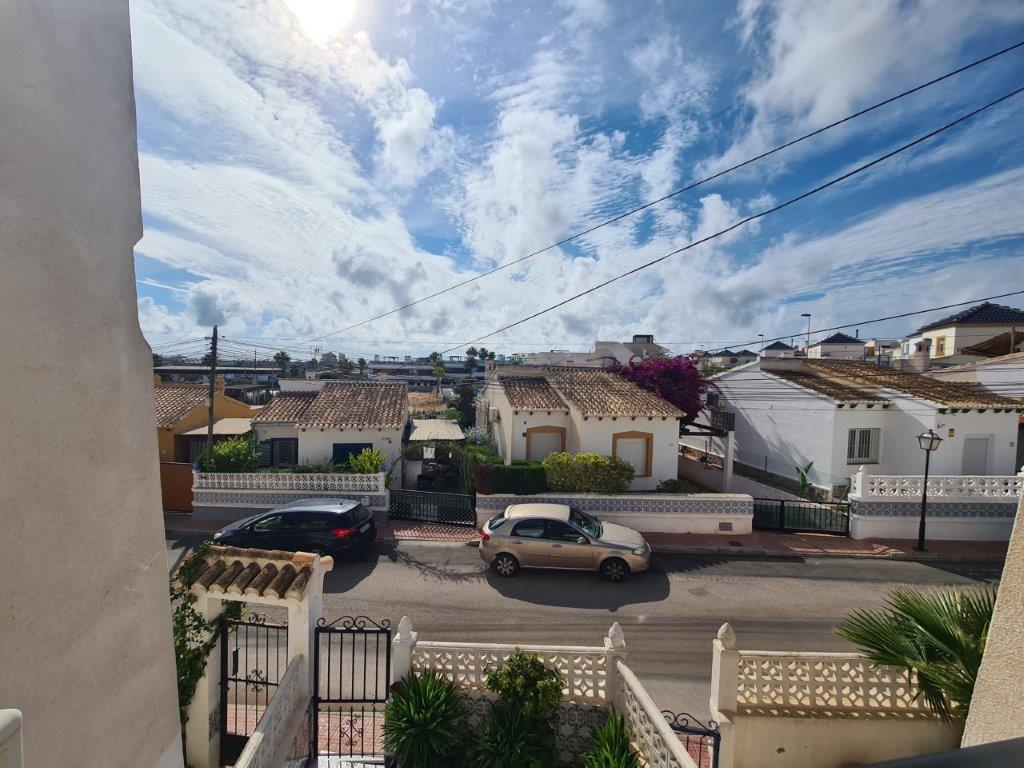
x: 587, y: 473
x: 521, y: 477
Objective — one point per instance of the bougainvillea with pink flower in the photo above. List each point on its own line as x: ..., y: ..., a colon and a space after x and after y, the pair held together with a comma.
x: 676, y: 379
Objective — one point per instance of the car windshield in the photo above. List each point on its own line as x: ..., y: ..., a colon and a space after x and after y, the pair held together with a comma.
x: 589, y: 525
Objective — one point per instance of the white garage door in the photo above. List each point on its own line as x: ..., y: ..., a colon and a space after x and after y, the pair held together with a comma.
x: 634, y: 450
x: 543, y: 443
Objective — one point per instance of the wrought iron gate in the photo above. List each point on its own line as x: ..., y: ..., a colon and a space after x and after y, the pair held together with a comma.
x: 802, y: 516
x: 701, y: 741
x: 448, y: 508
x: 351, y: 682
x: 253, y: 657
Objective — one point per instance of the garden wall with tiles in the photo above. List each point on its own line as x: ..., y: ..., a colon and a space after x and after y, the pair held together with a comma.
x: 961, y: 520
x: 726, y: 513
x: 226, y: 497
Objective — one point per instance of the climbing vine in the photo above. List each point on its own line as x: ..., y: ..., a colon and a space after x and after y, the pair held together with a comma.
x: 194, y: 636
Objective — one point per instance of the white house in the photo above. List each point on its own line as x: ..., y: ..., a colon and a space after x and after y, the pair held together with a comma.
x: 604, y: 354
x: 778, y: 349
x: 537, y: 411
x: 1003, y: 375
x: 838, y: 346
x: 727, y: 358
x: 842, y: 414
x: 332, y: 422
x: 973, y: 326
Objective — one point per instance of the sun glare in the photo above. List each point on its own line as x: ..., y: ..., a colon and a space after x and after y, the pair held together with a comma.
x: 322, y: 19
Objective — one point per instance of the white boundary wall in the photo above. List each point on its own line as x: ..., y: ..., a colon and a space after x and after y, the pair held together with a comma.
x: 726, y: 513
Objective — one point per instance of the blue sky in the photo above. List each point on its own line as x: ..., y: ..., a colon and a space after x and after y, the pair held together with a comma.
x: 306, y: 164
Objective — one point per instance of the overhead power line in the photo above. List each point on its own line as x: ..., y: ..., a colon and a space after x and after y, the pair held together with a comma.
x: 753, y: 217
x: 675, y: 193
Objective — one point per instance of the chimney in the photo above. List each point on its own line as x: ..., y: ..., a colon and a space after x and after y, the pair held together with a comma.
x: 920, y: 360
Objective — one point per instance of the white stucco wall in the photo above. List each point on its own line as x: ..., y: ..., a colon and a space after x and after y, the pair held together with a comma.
x: 275, y: 431
x: 594, y: 435
x: 1000, y: 680
x: 963, y: 336
x: 783, y: 423
x: 317, y: 445
x: 85, y: 633
x: 836, y: 351
x: 517, y: 423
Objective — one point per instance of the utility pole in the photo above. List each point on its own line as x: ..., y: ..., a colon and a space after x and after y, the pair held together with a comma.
x: 213, y: 392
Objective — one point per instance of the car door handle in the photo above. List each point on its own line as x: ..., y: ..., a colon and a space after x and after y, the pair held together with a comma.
x: 557, y: 546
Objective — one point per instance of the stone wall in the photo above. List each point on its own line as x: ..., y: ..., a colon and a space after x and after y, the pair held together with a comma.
x: 648, y: 513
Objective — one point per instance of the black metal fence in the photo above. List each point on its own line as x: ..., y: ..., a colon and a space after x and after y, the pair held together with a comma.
x: 701, y: 741
x: 253, y: 658
x: 447, y: 508
x: 351, y: 679
x: 802, y: 516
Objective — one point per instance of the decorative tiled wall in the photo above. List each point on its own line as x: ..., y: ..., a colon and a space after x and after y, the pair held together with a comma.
x: 662, y: 503
x: 228, y: 506
x: 959, y: 509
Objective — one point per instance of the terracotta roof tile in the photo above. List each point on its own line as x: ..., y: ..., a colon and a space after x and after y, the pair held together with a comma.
x: 175, y: 401
x: 286, y: 407
x: 256, y: 572
x: 602, y: 393
x: 533, y: 393
x: 952, y: 394
x: 824, y: 385
x: 357, y: 405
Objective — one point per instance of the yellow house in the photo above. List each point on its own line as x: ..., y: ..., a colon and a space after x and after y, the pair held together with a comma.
x: 181, y: 418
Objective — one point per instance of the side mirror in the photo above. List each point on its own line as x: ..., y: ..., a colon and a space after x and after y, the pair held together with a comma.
x: 582, y: 540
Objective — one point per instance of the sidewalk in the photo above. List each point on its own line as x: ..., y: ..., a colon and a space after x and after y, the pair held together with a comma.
x: 770, y: 544
x: 757, y: 544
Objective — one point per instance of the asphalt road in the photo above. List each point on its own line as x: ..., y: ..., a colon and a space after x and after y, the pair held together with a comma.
x: 669, y: 615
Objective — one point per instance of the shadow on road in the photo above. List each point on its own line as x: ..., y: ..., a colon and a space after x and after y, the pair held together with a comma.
x: 579, y: 589
x: 350, y: 569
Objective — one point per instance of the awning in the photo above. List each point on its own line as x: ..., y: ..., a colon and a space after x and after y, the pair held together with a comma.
x: 424, y: 430
x: 230, y: 426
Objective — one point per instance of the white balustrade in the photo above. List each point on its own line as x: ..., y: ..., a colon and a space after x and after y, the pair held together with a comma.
x: 584, y: 668
x: 940, y: 487
x: 825, y: 682
x: 657, y: 743
x: 289, y: 481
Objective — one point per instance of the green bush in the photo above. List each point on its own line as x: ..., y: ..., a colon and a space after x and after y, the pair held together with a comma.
x: 235, y: 454
x: 511, y: 738
x: 367, y: 462
x: 670, y: 486
x: 587, y: 473
x: 609, y: 746
x: 520, y: 477
x: 521, y: 728
x: 423, y: 722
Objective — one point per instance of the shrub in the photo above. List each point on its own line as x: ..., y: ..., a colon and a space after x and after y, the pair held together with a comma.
x: 559, y: 470
x: 587, y: 473
x: 423, y: 722
x: 477, y: 436
x: 235, y: 454
x: 675, y: 379
x: 367, y: 462
x: 609, y: 746
x: 483, y: 479
x: 521, y: 729
x: 519, y: 477
x: 670, y: 486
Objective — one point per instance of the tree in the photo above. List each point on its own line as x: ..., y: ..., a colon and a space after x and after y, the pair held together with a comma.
x: 485, y: 354
x: 465, y: 403
x: 938, y: 637
x: 362, y: 364
x: 675, y: 379
x: 470, y: 362
x: 435, y: 358
x: 157, y: 359
x: 208, y: 359
x: 281, y: 360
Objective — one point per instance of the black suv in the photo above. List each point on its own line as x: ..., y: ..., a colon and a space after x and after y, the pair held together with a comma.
x: 324, y: 526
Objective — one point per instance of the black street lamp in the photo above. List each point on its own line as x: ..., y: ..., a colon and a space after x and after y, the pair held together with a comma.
x: 928, y: 441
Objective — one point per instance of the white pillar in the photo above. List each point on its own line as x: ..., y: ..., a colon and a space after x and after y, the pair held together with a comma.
x: 614, y: 650
x: 725, y: 664
x: 202, y: 729
x: 401, y: 650
x: 730, y: 450
x: 10, y: 738
x: 859, y: 483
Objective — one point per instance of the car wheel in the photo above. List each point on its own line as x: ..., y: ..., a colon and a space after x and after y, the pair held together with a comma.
x: 614, y: 569
x: 506, y: 565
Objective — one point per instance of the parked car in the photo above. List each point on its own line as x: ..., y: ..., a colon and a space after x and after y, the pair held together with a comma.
x: 558, y: 536
x: 324, y: 526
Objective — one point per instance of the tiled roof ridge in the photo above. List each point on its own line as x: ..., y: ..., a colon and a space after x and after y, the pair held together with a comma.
x: 598, y: 392
x: 824, y: 385
x: 257, y: 572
